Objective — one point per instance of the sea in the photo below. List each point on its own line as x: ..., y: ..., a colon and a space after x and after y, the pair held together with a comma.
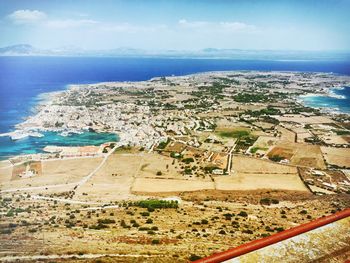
x: 339, y: 101
x: 24, y: 79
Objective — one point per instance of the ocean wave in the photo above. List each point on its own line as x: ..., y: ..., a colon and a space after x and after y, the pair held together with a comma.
x: 333, y: 94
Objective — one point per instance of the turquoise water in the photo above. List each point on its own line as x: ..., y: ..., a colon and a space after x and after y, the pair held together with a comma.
x: 341, y: 104
x: 31, y: 145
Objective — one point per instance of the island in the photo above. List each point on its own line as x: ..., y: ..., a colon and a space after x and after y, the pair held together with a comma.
x: 202, y: 162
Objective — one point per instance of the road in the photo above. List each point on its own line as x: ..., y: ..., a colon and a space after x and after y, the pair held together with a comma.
x: 75, y: 185
x: 87, y: 178
x: 45, y: 187
x: 62, y: 200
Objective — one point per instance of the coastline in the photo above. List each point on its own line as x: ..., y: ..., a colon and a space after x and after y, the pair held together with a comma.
x: 326, y: 102
x: 46, y: 101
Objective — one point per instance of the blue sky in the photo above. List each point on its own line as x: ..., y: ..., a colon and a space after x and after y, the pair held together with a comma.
x: 180, y: 25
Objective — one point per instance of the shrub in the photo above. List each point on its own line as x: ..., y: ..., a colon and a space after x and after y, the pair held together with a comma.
x: 243, y: 214
x: 149, y: 221
x: 204, y: 221
x: 154, y: 203
x: 106, y: 221
x: 188, y: 160
x: 162, y: 145
x: 5, y: 231
x: 275, y: 201
x: 247, y: 231
x: 194, y: 257
x: 98, y: 226
x: 10, y: 213
x: 123, y: 224
x: 265, y: 201
x: 279, y: 229
x: 155, y: 241
x: 276, y: 158
x: 144, y: 213
x: 150, y: 209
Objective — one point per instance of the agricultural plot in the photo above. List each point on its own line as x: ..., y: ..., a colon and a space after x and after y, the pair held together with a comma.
x: 148, y: 185
x: 304, y: 119
x: 298, y: 154
x: 263, y: 144
x: 57, y: 172
x: 254, y: 174
x: 255, y: 181
x: 113, y: 181
x: 339, y: 157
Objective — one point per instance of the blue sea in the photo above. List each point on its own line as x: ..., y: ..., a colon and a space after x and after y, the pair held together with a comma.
x: 338, y: 103
x: 23, y: 79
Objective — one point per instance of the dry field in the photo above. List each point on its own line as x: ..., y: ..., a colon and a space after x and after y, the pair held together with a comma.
x: 70, y: 170
x: 19, y: 169
x: 264, y: 125
x: 242, y: 164
x: 250, y: 174
x: 334, y: 139
x: 54, y: 172
x: 113, y: 181
x: 300, y: 154
x: 5, y: 172
x: 155, y: 185
x: 224, y: 124
x: 255, y: 181
x: 216, y: 147
x: 175, y: 147
x: 286, y: 135
x: 253, y: 174
x: 337, y: 156
x: 305, y: 120
x: 264, y: 143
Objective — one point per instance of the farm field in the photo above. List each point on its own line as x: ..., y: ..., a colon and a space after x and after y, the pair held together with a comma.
x: 337, y: 156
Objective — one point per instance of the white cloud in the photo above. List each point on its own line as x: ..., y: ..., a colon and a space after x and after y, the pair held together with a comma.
x: 213, y: 26
x: 130, y: 28
x: 70, y: 23
x: 39, y: 18
x: 237, y: 26
x: 27, y: 16
x: 192, y: 24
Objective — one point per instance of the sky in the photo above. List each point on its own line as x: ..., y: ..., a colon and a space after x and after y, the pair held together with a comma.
x: 177, y: 24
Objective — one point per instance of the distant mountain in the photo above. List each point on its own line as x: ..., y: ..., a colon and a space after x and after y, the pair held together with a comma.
x: 21, y: 49
x: 209, y: 53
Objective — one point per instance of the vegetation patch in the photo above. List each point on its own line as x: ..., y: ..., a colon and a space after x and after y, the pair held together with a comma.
x: 234, y: 134
x: 153, y: 204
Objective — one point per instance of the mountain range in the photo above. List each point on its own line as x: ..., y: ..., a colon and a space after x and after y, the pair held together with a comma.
x: 29, y: 50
